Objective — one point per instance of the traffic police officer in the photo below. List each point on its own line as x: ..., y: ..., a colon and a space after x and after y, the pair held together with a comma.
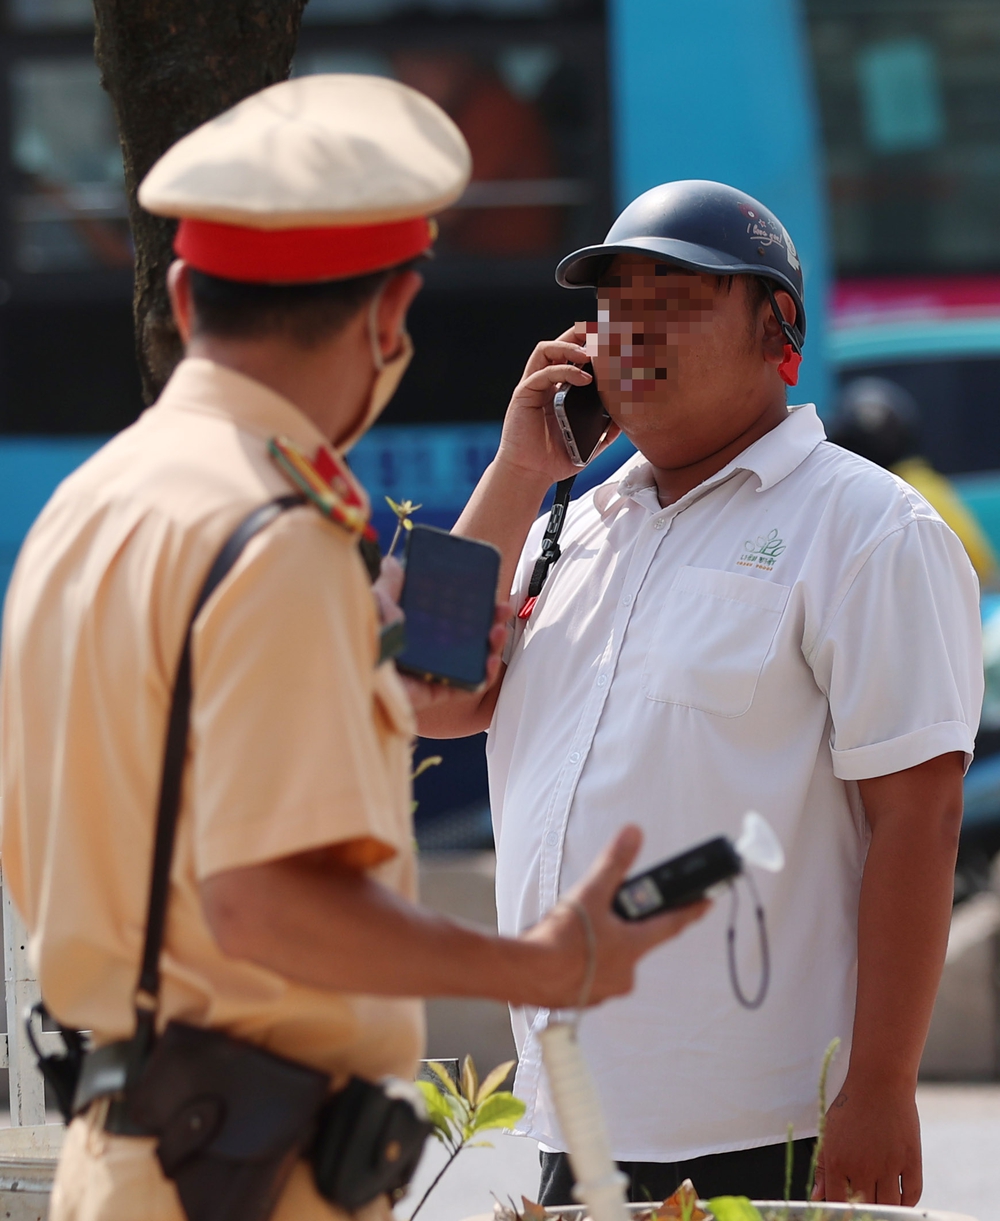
x: 290, y: 921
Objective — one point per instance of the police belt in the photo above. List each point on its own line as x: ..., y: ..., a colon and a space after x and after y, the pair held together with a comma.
x: 231, y: 1119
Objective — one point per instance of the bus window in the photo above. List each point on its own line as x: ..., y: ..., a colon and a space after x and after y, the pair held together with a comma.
x: 912, y: 134
x: 380, y: 10
x: 526, y: 109
x: 50, y: 14
x: 70, y: 212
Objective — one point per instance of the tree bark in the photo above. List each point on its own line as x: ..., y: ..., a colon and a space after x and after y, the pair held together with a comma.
x: 169, y: 65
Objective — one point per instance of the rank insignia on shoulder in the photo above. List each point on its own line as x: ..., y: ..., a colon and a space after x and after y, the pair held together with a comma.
x: 327, y: 483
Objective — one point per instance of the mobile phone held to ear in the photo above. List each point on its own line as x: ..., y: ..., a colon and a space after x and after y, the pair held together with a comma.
x: 448, y: 598
x: 682, y: 880
x: 582, y: 419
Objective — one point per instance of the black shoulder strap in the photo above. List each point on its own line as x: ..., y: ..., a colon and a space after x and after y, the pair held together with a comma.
x: 148, y: 988
x: 550, y: 545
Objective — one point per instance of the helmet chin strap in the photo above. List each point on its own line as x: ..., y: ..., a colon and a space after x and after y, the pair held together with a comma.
x: 788, y: 370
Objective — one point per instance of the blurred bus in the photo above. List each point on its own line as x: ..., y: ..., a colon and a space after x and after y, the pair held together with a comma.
x: 872, y: 127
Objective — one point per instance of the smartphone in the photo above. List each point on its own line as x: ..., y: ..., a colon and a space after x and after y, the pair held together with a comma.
x: 682, y: 880
x: 582, y: 419
x: 449, y: 595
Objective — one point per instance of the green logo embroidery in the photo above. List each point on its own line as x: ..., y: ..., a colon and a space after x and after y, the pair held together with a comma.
x: 762, y: 552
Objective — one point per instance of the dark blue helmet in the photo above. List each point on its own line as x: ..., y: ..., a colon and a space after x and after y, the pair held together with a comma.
x: 705, y: 227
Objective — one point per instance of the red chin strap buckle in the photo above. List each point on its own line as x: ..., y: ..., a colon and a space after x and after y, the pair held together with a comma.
x: 527, y: 608
x: 788, y: 370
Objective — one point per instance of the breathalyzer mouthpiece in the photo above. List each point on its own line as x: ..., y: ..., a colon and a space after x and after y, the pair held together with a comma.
x: 758, y: 845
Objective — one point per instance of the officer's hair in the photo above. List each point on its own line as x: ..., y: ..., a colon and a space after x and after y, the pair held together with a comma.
x: 306, y: 314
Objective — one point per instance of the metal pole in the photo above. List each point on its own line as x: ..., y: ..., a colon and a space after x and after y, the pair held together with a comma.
x: 27, y: 1089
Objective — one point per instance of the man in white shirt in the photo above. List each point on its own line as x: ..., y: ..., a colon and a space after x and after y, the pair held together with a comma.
x: 743, y: 616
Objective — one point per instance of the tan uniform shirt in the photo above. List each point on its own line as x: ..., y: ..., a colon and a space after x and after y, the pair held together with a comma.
x: 298, y: 740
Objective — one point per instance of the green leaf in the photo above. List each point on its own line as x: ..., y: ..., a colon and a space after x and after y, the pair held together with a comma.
x: 494, y: 1080
x: 444, y: 1076
x: 460, y: 1111
x: 500, y: 1110
x: 733, y: 1208
x: 438, y: 1111
x: 470, y: 1080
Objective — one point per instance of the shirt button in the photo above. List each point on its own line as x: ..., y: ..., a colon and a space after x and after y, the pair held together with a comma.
x: 627, y: 600
x: 575, y: 757
x: 552, y: 839
x: 602, y: 681
x: 659, y: 523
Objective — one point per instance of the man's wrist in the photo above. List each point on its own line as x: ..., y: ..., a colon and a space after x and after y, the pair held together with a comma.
x: 530, y: 970
x: 868, y: 1076
x: 529, y: 481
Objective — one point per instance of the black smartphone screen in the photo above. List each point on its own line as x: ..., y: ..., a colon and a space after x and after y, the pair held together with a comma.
x: 449, y: 595
x: 585, y: 416
x: 675, y: 883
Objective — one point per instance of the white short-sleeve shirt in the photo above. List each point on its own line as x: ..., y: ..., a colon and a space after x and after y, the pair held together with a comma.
x: 800, y: 621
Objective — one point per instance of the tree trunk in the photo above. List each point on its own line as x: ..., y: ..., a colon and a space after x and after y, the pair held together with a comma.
x: 169, y: 65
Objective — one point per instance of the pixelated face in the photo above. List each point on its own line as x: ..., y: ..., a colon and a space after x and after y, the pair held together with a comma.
x: 668, y: 348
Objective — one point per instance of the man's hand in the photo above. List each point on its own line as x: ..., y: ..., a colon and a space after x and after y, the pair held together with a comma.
x: 872, y: 1146
x: 618, y: 943
x: 531, y: 441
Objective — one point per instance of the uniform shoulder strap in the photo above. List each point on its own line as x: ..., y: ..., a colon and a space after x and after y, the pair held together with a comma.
x: 168, y: 808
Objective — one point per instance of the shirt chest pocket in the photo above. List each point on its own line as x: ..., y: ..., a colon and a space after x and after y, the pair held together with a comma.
x: 713, y: 635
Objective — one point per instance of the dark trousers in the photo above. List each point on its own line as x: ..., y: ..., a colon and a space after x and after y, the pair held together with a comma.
x: 757, y: 1173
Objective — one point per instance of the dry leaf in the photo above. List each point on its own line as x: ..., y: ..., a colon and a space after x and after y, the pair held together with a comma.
x: 683, y: 1203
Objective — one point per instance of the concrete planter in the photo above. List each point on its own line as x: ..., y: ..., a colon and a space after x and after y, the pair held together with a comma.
x: 28, y: 1159
x: 777, y: 1210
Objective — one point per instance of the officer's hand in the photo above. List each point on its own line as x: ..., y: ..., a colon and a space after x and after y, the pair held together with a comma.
x: 387, y: 590
x: 531, y: 440
x: 619, y: 944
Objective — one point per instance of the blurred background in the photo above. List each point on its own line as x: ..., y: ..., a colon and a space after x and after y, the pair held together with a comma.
x: 872, y: 127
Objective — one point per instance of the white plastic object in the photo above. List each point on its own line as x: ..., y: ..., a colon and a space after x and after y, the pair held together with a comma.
x: 758, y: 845
x: 599, y: 1184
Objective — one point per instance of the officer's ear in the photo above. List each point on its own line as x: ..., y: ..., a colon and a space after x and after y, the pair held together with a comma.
x: 181, y: 304
x: 394, y: 300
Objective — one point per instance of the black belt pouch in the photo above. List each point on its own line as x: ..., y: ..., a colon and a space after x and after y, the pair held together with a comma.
x: 232, y: 1120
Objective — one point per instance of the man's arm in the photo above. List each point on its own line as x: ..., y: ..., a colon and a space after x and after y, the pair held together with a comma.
x: 502, y: 509
x: 873, y: 1132
x: 311, y: 920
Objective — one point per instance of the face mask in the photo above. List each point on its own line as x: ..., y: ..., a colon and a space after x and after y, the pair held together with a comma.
x: 388, y: 374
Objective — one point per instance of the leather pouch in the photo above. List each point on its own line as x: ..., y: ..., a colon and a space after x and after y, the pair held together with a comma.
x: 368, y: 1142
x: 231, y: 1120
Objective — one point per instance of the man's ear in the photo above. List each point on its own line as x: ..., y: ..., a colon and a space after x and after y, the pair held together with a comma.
x: 179, y: 291
x: 774, y: 336
x: 394, y: 300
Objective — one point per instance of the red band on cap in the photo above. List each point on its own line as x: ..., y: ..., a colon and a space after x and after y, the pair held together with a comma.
x: 299, y: 256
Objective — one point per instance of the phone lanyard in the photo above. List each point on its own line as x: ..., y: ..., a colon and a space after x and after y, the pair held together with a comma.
x: 550, y: 545
x: 748, y: 1002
